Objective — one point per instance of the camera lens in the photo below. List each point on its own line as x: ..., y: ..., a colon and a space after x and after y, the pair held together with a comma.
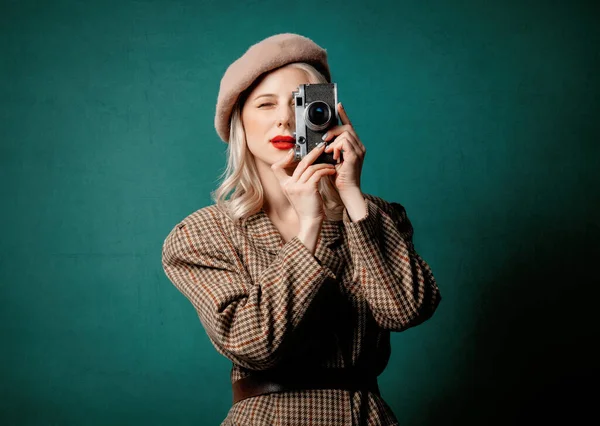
x: 319, y: 113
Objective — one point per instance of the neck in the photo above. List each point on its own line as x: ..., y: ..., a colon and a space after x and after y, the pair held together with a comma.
x: 275, y: 202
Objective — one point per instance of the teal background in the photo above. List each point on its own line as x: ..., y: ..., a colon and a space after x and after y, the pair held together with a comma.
x: 481, y: 118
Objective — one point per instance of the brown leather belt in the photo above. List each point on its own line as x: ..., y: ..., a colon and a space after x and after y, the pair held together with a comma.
x: 264, y: 382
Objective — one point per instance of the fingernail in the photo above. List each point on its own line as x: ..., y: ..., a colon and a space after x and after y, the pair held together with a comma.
x: 324, y: 136
x: 320, y: 144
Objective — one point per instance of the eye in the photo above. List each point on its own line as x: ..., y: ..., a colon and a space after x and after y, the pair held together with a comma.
x: 293, y: 105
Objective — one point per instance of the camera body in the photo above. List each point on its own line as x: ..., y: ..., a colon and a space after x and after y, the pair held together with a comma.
x: 316, y: 113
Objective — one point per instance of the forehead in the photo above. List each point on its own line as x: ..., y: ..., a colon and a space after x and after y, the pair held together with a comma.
x: 281, y: 81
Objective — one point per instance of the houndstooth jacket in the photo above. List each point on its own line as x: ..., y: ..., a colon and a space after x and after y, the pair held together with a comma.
x: 267, y: 304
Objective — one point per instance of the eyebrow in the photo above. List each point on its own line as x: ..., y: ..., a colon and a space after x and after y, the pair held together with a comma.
x: 264, y: 95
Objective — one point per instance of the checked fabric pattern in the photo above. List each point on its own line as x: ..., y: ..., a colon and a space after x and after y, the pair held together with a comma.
x: 269, y: 304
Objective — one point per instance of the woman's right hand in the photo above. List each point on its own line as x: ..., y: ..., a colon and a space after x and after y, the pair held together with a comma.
x: 302, y: 188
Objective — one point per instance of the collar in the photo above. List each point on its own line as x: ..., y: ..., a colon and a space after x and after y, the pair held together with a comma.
x: 266, y: 236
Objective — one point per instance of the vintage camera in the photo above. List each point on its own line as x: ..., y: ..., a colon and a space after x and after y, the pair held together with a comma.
x: 316, y: 112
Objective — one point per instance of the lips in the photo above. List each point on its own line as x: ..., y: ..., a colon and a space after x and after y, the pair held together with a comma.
x: 287, y: 139
x: 283, y: 142
x: 283, y: 145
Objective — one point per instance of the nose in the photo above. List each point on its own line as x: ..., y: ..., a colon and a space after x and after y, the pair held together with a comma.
x: 287, y: 116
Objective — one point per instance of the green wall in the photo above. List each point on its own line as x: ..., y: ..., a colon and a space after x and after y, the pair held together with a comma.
x: 481, y: 118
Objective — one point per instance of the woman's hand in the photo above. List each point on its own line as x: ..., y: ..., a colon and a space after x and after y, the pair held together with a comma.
x: 347, y: 178
x: 302, y: 188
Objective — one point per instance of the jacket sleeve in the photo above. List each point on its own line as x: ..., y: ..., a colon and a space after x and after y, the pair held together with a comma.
x: 248, y: 322
x: 396, y: 282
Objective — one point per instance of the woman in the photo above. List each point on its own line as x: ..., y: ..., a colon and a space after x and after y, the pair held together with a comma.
x: 299, y: 277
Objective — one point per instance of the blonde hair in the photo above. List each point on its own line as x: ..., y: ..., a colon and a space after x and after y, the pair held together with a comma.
x: 241, y: 179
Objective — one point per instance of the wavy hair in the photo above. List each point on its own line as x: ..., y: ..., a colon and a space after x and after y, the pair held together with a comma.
x: 240, y: 180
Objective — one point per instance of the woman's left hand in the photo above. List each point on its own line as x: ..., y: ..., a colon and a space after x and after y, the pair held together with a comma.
x: 348, y: 171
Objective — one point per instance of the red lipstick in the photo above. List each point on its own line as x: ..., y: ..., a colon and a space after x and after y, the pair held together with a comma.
x: 283, y: 142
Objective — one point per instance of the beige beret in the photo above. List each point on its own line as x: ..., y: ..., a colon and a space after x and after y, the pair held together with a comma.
x: 266, y: 55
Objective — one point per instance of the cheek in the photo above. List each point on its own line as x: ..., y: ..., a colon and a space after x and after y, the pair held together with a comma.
x: 254, y: 129
x: 256, y: 126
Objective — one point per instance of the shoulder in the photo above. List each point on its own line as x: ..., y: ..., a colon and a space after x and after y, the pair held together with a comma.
x: 200, y: 239
x: 206, y: 219
x: 386, y: 206
x: 378, y: 201
x: 393, y: 209
x: 204, y: 227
